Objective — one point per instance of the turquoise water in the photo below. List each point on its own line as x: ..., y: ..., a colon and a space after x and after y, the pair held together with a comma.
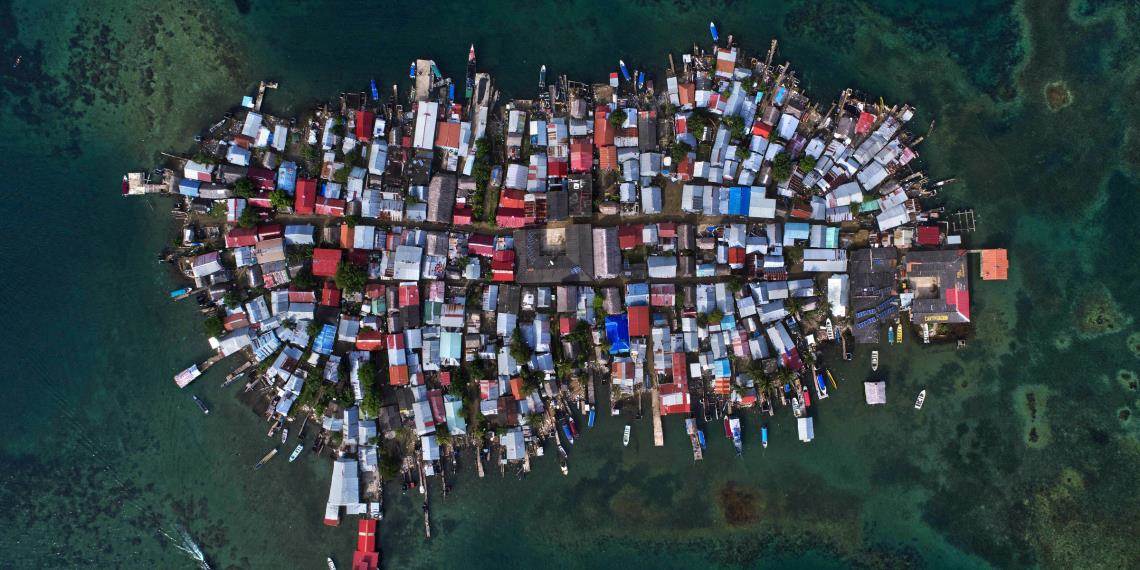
x: 104, y: 458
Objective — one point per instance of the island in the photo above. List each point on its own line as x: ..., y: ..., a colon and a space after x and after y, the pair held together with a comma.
x: 450, y: 274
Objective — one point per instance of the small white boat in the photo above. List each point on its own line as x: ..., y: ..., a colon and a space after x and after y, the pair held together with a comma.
x: 332, y: 565
x: 920, y: 400
x: 625, y: 436
x: 296, y: 452
x: 874, y: 361
x: 284, y: 435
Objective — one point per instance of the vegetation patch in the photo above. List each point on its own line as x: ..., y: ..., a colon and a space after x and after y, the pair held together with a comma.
x: 1098, y: 314
x: 1127, y: 379
x: 1058, y: 95
x: 1030, y: 402
x: 739, y: 505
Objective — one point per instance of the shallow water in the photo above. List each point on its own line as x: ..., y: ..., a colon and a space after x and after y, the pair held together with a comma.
x: 104, y: 458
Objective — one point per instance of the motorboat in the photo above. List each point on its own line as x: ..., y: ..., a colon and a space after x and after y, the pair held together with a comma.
x: 625, y: 436
x: 874, y: 361
x: 918, y: 402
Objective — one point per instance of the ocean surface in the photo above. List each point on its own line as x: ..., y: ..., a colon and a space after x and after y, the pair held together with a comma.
x: 1025, y: 454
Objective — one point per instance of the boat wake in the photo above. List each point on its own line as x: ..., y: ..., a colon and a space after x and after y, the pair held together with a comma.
x: 186, y: 544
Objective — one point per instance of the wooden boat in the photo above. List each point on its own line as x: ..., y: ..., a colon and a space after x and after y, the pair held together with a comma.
x: 890, y: 335
x: 272, y: 453
x: 625, y: 435
x: 284, y: 435
x: 296, y: 452
x: 332, y: 565
x: 829, y: 329
x: 764, y: 436
x: 624, y: 71
x: 899, y: 332
x: 918, y: 402
x: 874, y: 361
x: 737, y: 440
x: 201, y: 405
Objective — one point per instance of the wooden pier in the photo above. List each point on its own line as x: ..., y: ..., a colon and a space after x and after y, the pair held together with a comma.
x: 658, y: 431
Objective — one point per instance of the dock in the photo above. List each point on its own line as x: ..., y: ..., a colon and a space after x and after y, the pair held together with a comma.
x: 233, y: 376
x: 658, y: 430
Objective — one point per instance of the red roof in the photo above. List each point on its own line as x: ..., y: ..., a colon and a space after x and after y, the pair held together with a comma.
x: 512, y: 198
x: 263, y: 178
x: 346, y: 234
x: 235, y: 321
x: 481, y: 244
x: 364, y: 122
x: 447, y: 135
x: 581, y: 156
x: 667, y: 229
x: 680, y: 369
x: 866, y: 120
x: 736, y: 256
x: 409, y: 294
x: 306, y: 196
x: 995, y: 264
x: 270, y: 231
x: 330, y: 206
x: 675, y: 398
x: 366, y: 556
x: 461, y: 216
x: 929, y: 236
x: 330, y: 295
x: 629, y: 236
x: 298, y: 296
x: 566, y: 324
x: 503, y: 265
x: 325, y: 261
x: 240, y: 237
x: 374, y: 290
x: 960, y: 299
x: 435, y: 399
x: 369, y: 339
x: 603, y: 132
x: 687, y: 93
x: 516, y: 388
x: 761, y: 129
x: 638, y: 320
x: 445, y: 378
x: 398, y: 375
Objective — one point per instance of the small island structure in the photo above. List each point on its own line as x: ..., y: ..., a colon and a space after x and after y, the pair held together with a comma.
x: 416, y: 277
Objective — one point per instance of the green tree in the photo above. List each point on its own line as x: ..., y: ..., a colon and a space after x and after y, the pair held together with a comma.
x: 807, y: 163
x: 280, y: 199
x: 214, y: 326
x: 735, y: 127
x: 520, y: 351
x: 243, y: 188
x: 351, y: 220
x: 679, y: 151
x: 617, y: 118
x: 370, y: 405
x: 390, y: 463
x: 232, y: 299
x: 248, y: 218
x: 715, y: 316
x: 314, y: 327
x: 304, y: 280
x: 350, y: 278
x: 781, y: 167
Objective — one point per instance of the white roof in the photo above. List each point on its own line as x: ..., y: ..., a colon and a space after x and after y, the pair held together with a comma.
x: 427, y: 114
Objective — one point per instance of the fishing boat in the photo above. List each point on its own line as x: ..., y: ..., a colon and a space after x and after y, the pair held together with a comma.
x: 625, y: 436
x: 624, y: 71
x: 180, y: 292
x: 712, y: 30
x: 296, y: 452
x: 470, y: 72
x: 764, y: 436
x: 412, y: 70
x: 733, y: 427
x: 890, y: 335
x: 272, y: 453
x: 829, y: 329
x: 573, y: 424
x: 375, y: 91
x: 640, y: 79
x: 831, y: 379
x: 566, y: 432
x: 899, y: 332
x: 332, y: 565
x: 542, y: 77
x: 564, y: 465
x: 874, y: 361
x: 701, y: 439
x: 822, y: 385
x: 807, y: 397
x: 590, y: 417
x: 19, y: 58
x: 691, y: 429
x: 201, y: 405
x: 284, y: 435
x: 918, y: 402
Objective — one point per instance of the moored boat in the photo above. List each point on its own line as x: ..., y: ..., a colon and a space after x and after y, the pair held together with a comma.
x: 807, y: 397
x: 272, y: 453
x: 296, y: 452
x: 737, y: 438
x: 412, y: 70
x: 375, y: 91
x: 201, y: 405
x: 918, y: 402
x: 712, y: 30
x: 890, y: 335
x: 590, y: 418
x: 874, y: 361
x: 899, y: 332
x: 284, y: 435
x: 764, y: 436
x: 822, y: 385
x: 566, y: 432
x: 332, y: 565
x: 470, y: 73
x: 624, y: 71
x: 625, y: 436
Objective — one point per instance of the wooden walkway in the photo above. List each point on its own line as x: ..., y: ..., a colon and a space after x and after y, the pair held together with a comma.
x: 658, y: 431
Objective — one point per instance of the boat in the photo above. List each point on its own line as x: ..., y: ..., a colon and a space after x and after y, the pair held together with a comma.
x: 625, y: 436
x: 590, y: 418
x: 701, y: 439
x: 180, y: 292
x: 19, y: 58
x: 412, y: 70
x: 920, y: 400
x: 712, y: 30
x: 890, y: 335
x: 624, y: 71
x: 332, y: 565
x: 470, y: 91
x: 807, y: 397
x: 272, y: 453
x: 640, y: 79
x: 694, y: 439
x: 566, y: 432
x: 375, y: 91
x: 899, y: 332
x: 822, y: 385
x: 874, y: 361
x: 831, y: 378
x: 542, y: 77
x: 564, y: 465
x: 829, y: 329
x: 296, y: 452
x: 573, y: 424
x: 284, y: 435
x: 201, y: 405
x: 187, y: 376
x: 764, y: 436
x: 733, y: 426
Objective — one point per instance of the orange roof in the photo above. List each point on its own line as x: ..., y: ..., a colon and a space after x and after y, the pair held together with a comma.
x: 346, y: 235
x: 687, y: 93
x: 447, y: 135
x: 516, y: 388
x: 607, y: 157
x: 398, y: 375
x: 995, y: 264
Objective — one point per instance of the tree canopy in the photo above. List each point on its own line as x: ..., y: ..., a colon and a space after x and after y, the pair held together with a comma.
x: 350, y: 278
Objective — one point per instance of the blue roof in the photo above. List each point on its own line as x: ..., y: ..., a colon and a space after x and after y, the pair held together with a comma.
x: 738, y: 198
x: 796, y: 230
x: 324, y: 341
x: 287, y: 177
x: 723, y: 368
x: 188, y: 187
x: 617, y: 332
